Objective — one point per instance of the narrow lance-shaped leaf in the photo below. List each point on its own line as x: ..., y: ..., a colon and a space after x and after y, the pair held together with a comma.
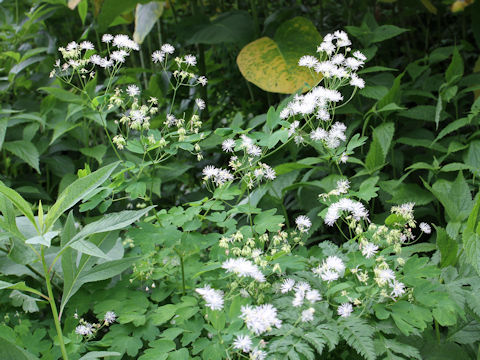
x: 77, y: 191
x: 109, y: 222
x: 20, y: 203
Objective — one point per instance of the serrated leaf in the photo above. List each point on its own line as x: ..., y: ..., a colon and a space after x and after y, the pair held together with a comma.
x: 26, y: 151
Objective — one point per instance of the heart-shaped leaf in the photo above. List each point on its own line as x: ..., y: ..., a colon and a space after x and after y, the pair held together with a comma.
x: 272, y: 64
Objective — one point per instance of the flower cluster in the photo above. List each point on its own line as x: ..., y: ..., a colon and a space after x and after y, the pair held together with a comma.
x: 247, y: 167
x: 261, y: 318
x: 212, y: 297
x: 88, y: 330
x: 243, y: 268
x: 332, y: 268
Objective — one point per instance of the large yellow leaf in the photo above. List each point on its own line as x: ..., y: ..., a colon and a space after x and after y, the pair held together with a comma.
x: 272, y: 64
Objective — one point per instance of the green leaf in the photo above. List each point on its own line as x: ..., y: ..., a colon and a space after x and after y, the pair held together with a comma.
x: 11, y: 351
x: 272, y: 64
x: 62, y: 95
x: 28, y: 303
x: 455, y: 69
x: 109, y: 222
x: 86, y: 247
x: 382, y: 138
x: 267, y: 220
x: 358, y: 334
x: 385, y: 32
x: 231, y: 27
x: 393, y: 95
x: 95, y: 355
x: 146, y: 15
x: 448, y: 248
x: 96, y: 152
x: 26, y: 151
x: 471, y: 237
x: 76, y: 192
x: 44, y: 239
x: 107, y: 270
x: 455, y: 197
x: 20, y: 203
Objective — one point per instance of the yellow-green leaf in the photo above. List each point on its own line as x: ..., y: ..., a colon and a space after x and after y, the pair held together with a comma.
x: 272, y: 64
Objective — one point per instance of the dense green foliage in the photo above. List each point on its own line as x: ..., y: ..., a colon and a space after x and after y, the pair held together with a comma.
x: 150, y: 213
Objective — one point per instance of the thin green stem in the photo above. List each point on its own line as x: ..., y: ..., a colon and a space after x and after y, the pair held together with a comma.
x: 51, y: 300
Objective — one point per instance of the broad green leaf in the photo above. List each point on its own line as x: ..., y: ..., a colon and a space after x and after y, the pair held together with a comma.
x: 62, y: 95
x: 385, y: 32
x: 76, y: 192
x: 28, y: 303
x: 146, y: 15
x: 10, y: 351
x: 26, y: 151
x: 272, y: 64
x: 61, y: 128
x: 96, y: 152
x: 231, y: 27
x: 393, y: 95
x: 448, y: 248
x: 382, y: 139
x: 20, y: 203
x: 471, y: 237
x: 267, y: 220
x: 455, y: 197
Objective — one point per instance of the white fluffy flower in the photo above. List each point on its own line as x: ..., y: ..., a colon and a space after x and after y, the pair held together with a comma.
x: 124, y: 42
x: 307, y: 315
x: 243, y: 268
x: 167, y: 48
x: 258, y: 354
x: 254, y: 150
x: 287, y: 285
x: 209, y: 172
x: 212, y: 297
x: 158, y: 56
x: 357, y: 82
x: 202, y: 80
x: 200, y: 103
x: 308, y: 61
x: 119, y: 55
x: 313, y: 296
x: 260, y: 319
x: 303, y: 223
x: 107, y: 38
x: 398, y: 289
x: 424, y: 227
x: 110, y: 317
x: 243, y: 342
x: 85, y: 330
x: 86, y: 45
x: 318, y: 134
x: 359, y: 56
x: 345, y: 310
x: 190, y: 60
x: 369, y: 249
x: 133, y: 90
x: 293, y: 127
x: 228, y: 145
x: 357, y: 210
